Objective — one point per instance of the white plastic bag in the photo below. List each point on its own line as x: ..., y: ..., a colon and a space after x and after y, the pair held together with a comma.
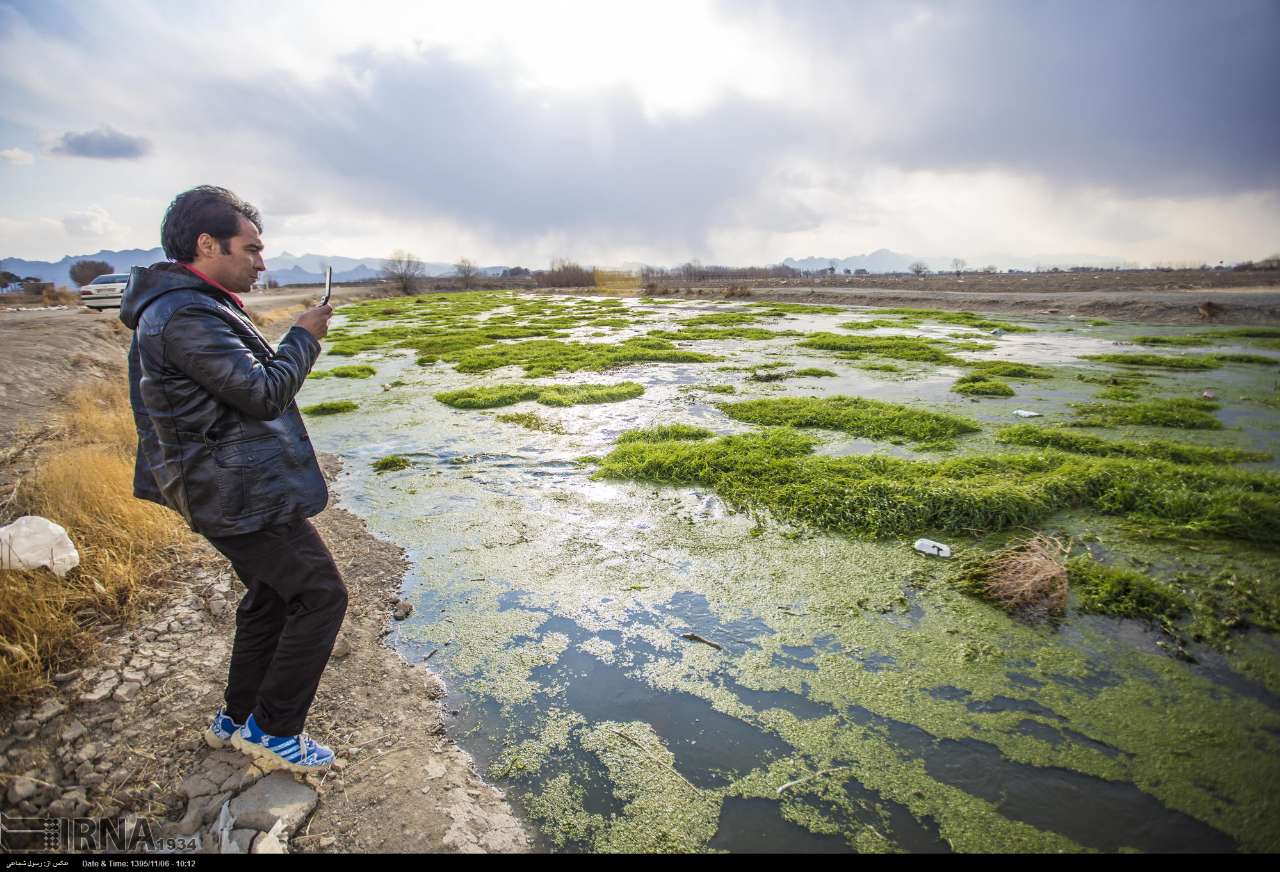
x: 32, y: 541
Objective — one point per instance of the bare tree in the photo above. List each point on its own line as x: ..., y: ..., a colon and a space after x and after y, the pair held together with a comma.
x: 467, y: 271
x: 84, y: 271
x: 404, y: 271
x: 919, y: 267
x: 958, y: 264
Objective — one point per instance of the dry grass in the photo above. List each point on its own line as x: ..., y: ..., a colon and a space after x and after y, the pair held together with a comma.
x: 278, y: 315
x: 84, y: 482
x: 1028, y: 579
x: 51, y: 296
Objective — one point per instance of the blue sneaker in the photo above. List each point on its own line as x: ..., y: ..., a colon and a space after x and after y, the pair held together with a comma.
x: 298, y: 753
x: 221, y: 730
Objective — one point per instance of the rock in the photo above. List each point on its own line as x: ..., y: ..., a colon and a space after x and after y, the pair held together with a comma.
x: 135, y: 676
x: 1208, y: 395
x: 158, y: 670
x: 88, y: 751
x: 195, y: 785
x: 341, y: 648
x: 127, y: 691
x: 402, y: 610
x: 50, y: 710
x: 84, y: 771
x: 243, y: 839
x: 278, y: 797
x: 139, y: 663
x: 21, y: 788
x: 24, y: 726
x: 435, y: 686
x: 64, y: 677
x: 73, y: 731
x: 103, y: 690
x: 268, y: 843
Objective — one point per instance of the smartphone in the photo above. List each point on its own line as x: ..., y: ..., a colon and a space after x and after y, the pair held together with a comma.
x: 328, y: 286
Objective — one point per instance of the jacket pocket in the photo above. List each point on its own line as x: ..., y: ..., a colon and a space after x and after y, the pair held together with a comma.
x: 251, y: 475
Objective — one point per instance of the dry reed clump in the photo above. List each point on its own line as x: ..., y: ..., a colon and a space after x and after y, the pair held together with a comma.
x: 1027, y: 579
x: 85, y: 484
x: 51, y: 296
x: 277, y: 315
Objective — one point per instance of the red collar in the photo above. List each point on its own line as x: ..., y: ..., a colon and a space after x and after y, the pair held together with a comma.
x: 239, y: 302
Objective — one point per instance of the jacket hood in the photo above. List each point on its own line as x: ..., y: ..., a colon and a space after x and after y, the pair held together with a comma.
x: 148, y: 284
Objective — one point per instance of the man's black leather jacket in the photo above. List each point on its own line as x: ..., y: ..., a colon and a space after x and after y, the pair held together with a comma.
x: 220, y: 439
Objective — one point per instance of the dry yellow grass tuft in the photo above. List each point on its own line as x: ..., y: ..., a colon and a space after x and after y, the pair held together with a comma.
x: 126, y: 545
x: 1027, y: 579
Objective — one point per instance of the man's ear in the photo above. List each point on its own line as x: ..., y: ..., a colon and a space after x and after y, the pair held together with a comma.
x: 206, y: 245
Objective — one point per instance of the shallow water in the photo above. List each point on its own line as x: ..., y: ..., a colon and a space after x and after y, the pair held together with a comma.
x: 851, y: 700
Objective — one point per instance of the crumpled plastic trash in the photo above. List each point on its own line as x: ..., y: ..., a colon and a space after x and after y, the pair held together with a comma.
x: 31, y: 542
x: 933, y: 549
x: 1023, y: 413
x: 999, y: 331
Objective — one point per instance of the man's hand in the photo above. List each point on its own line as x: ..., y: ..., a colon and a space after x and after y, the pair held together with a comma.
x: 316, y: 321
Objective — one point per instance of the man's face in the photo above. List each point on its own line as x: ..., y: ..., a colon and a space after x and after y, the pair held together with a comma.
x: 238, y: 268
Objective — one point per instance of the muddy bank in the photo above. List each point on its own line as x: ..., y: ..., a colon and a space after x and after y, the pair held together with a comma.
x: 122, y: 734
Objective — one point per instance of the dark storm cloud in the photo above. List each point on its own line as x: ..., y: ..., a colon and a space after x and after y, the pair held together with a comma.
x: 1174, y: 97
x: 105, y: 143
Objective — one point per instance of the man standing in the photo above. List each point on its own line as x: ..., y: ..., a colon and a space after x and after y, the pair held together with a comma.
x: 221, y: 441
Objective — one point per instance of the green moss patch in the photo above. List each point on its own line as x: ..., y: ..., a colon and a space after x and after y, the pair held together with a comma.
x: 1162, y: 361
x: 1186, y: 414
x: 982, y: 386
x: 797, y: 309
x: 721, y: 319
x: 531, y: 421
x: 548, y: 357
x: 871, y: 419
x: 1081, y: 443
x: 964, y: 319
x: 391, y: 463
x: 1170, y: 340
x: 1009, y: 369
x: 702, y: 334
x: 876, y: 495
x: 548, y: 395
x: 911, y: 348
x: 1123, y: 593
x: 357, y: 371
x: 666, y: 433
x: 330, y: 407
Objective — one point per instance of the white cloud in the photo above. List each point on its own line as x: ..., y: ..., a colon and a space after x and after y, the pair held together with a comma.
x: 94, y: 221
x: 17, y: 157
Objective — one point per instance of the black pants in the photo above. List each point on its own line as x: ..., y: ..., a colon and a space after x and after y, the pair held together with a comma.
x: 285, y: 625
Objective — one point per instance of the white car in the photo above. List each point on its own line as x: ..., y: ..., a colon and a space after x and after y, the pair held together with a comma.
x: 104, y: 292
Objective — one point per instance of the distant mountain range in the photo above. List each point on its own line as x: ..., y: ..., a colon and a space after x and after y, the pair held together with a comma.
x: 292, y: 269
x: 287, y: 269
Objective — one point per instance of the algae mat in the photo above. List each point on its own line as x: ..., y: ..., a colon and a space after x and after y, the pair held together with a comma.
x: 645, y: 670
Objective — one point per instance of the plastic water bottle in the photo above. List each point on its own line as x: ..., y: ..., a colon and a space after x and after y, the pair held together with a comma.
x: 933, y: 549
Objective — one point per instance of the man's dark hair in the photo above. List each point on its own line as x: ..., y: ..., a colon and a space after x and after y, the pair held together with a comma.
x: 206, y: 209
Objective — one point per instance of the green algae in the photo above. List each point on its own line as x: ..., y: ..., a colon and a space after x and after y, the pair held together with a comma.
x: 1178, y: 412
x: 666, y: 433
x: 1009, y: 369
x: 391, y: 463
x: 330, y: 407
x: 1080, y: 443
x: 910, y: 348
x: 1175, y: 738
x: 876, y: 323
x: 882, y: 496
x: 702, y: 334
x: 963, y: 319
x: 763, y: 374
x: 548, y: 357
x: 982, y: 386
x: 721, y: 319
x: 779, y: 309
x: 531, y: 421
x: 357, y: 371
x: 548, y: 395
x: 871, y: 419
x: 1161, y: 361
x: 1123, y: 593
x: 1170, y: 340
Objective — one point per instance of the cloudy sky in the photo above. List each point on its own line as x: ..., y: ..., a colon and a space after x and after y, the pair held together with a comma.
x: 734, y: 132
